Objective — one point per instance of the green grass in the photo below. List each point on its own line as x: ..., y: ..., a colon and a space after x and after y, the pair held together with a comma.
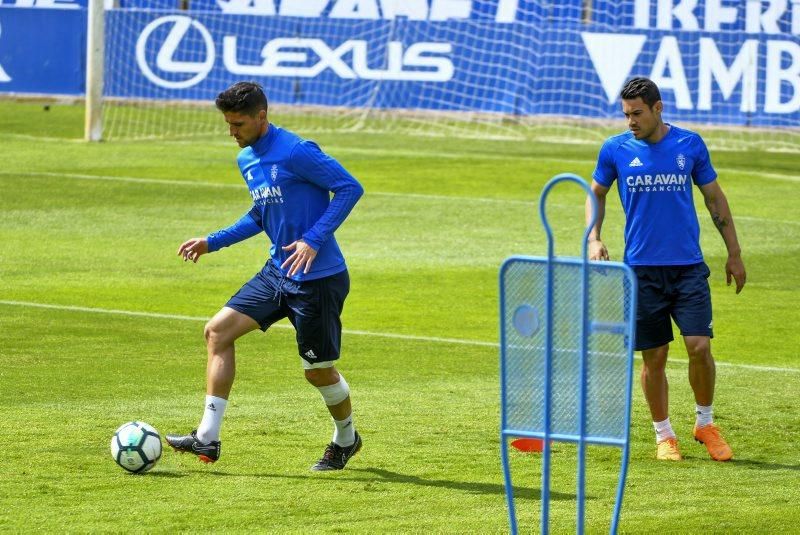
x: 423, y: 248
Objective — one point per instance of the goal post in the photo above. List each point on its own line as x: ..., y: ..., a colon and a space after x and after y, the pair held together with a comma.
x: 95, y: 66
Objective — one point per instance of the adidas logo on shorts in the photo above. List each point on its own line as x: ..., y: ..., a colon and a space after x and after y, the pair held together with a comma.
x: 310, y: 354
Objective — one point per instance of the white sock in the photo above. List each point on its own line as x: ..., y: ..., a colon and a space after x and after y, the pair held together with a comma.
x: 344, y: 434
x: 208, y: 430
x: 663, y: 430
x: 705, y: 415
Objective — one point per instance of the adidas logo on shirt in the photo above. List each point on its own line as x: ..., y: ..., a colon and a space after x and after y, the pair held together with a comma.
x: 636, y: 162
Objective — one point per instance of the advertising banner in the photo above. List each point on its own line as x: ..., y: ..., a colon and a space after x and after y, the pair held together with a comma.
x: 42, y: 51
x: 576, y: 69
x: 45, y: 4
x: 719, y: 62
x: 501, y: 11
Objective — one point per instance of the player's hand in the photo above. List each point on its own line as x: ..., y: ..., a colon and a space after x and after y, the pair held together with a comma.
x: 734, y: 267
x: 597, y: 250
x: 193, y: 249
x: 302, y: 257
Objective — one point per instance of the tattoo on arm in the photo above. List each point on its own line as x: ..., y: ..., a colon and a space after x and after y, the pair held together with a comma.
x: 719, y: 221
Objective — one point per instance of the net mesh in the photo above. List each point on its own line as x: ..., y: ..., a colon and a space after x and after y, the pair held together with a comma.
x: 519, y: 76
x: 524, y: 318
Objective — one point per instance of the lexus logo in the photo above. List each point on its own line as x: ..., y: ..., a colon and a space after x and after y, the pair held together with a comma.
x: 165, y: 62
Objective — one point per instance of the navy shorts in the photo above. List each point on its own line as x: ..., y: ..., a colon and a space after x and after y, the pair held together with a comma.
x: 679, y: 292
x: 314, y: 307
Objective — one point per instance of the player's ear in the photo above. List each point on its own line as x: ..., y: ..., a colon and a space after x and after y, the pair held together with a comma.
x: 658, y: 107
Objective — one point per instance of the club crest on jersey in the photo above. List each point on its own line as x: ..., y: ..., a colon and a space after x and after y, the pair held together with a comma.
x: 681, y: 161
x: 273, y: 172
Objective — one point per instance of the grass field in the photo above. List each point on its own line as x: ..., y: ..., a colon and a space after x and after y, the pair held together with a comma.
x: 87, y: 230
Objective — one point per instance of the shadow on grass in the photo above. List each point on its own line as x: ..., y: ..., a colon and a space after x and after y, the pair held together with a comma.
x: 762, y: 465
x: 750, y: 464
x: 163, y: 474
x: 472, y: 487
x: 388, y: 476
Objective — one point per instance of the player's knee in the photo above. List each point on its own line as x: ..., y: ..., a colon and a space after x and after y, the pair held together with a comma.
x: 215, y: 336
x: 655, y: 359
x: 698, y: 347
x: 322, y: 376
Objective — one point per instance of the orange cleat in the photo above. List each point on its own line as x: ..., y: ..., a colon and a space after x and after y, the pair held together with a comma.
x: 668, y: 450
x: 715, y: 444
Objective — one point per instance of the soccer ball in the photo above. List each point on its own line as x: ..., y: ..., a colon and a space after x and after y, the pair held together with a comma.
x: 136, y: 447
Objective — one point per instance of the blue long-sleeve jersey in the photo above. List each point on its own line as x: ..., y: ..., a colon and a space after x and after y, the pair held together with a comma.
x: 290, y: 180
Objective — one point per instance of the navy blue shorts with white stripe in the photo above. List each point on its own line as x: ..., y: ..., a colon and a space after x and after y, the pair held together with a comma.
x: 314, y: 307
x: 677, y: 292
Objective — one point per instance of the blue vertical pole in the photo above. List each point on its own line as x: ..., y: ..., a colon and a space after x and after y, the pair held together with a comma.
x: 512, y: 515
x: 630, y: 313
x: 584, y: 356
x: 548, y: 362
x: 581, y: 477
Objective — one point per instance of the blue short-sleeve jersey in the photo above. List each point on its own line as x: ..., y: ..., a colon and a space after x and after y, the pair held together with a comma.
x: 654, y: 181
x: 290, y: 181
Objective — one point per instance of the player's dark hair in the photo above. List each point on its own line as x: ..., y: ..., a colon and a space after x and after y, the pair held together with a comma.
x: 242, y: 97
x: 641, y: 87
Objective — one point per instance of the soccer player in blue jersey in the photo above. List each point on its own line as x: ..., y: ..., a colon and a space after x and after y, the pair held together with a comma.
x: 655, y: 165
x: 305, y: 278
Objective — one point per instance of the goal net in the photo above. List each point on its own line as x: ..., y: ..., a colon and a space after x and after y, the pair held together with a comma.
x: 506, y: 69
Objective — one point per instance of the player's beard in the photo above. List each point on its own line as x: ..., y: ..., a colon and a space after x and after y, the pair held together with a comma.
x: 242, y: 142
x: 640, y: 133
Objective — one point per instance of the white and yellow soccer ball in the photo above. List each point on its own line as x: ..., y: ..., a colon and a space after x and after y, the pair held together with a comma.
x: 136, y: 447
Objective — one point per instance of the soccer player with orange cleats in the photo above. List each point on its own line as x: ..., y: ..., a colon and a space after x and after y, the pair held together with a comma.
x: 709, y: 435
x: 668, y: 450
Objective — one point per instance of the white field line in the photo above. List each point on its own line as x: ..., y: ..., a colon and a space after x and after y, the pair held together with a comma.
x: 216, y: 139
x: 205, y: 184
x: 420, y: 196
x: 479, y: 155
x: 132, y: 179
x: 449, y: 155
x: 44, y: 139
x: 396, y: 336
x: 199, y: 318
x: 577, y: 161
x: 441, y: 155
x: 466, y: 156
